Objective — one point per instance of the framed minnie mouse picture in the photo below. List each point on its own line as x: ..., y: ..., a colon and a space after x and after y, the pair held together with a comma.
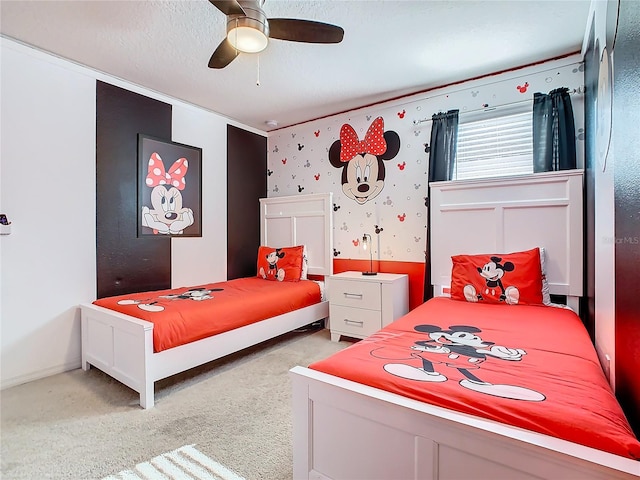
x: 169, y: 188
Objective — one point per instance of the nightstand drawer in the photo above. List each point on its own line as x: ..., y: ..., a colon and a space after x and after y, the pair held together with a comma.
x: 354, y: 294
x: 356, y: 322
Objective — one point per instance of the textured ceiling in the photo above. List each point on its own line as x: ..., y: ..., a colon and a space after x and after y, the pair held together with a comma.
x: 390, y: 48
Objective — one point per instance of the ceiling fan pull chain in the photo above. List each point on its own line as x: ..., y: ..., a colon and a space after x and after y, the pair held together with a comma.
x: 258, y: 70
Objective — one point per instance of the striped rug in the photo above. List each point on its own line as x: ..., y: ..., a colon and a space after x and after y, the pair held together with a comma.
x: 185, y: 463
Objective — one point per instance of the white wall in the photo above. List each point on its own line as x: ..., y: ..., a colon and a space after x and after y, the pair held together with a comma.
x: 604, y: 225
x: 47, y: 189
x: 197, y: 260
x: 48, y: 192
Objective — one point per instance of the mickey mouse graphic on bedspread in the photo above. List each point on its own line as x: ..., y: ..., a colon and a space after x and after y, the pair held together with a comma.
x: 154, y: 304
x: 458, y: 347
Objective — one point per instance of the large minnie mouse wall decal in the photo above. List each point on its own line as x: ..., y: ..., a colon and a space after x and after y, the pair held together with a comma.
x: 363, y: 170
x: 167, y: 216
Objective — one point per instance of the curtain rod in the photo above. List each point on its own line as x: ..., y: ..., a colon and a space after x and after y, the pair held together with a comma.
x: 580, y: 90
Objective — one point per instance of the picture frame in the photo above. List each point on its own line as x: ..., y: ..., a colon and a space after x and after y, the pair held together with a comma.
x: 169, y: 196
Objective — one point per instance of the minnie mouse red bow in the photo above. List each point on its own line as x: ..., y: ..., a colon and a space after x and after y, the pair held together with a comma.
x: 373, y: 143
x: 156, y: 174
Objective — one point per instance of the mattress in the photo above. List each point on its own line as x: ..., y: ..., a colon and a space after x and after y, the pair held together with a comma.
x: 187, y: 314
x: 532, y: 367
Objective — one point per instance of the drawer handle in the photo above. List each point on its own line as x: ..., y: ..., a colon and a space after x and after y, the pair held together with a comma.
x: 354, y: 322
x: 353, y: 295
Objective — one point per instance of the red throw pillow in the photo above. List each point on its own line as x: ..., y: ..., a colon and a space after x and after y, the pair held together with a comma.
x: 510, y: 278
x: 280, y: 264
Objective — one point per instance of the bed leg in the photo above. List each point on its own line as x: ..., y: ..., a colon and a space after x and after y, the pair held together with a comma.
x: 146, y: 397
x: 84, y: 364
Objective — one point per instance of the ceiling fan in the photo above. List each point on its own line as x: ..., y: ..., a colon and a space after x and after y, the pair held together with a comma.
x: 249, y: 30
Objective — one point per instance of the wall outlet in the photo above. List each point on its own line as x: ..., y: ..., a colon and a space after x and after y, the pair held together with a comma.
x: 605, y: 363
x: 606, y: 367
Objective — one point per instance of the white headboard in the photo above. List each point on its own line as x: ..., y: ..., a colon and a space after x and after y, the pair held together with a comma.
x: 508, y: 215
x: 301, y: 220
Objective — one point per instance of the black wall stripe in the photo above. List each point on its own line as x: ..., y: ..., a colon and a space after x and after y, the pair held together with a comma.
x: 246, y: 184
x: 126, y: 263
x: 588, y: 308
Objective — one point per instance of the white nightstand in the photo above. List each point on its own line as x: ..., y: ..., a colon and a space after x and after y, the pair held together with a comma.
x: 359, y: 305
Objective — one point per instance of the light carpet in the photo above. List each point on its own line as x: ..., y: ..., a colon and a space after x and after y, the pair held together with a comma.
x: 236, y: 410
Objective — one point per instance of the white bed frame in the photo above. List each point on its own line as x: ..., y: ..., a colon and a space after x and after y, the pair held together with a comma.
x: 122, y: 346
x: 343, y: 430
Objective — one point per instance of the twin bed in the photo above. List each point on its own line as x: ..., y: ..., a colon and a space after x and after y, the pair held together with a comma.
x: 141, y: 338
x: 466, y: 391
x: 495, y: 382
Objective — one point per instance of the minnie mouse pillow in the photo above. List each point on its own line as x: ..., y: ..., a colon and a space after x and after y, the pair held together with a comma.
x: 512, y: 278
x: 280, y: 264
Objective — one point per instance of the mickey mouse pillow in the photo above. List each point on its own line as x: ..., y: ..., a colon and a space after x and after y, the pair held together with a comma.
x: 511, y: 279
x: 280, y: 264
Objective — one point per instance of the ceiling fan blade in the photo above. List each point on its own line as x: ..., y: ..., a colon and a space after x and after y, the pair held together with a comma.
x: 309, y: 31
x: 223, y: 56
x: 228, y: 7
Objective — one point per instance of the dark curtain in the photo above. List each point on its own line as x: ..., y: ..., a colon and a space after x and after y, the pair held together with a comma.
x: 442, y: 155
x: 554, y: 134
x: 444, y: 139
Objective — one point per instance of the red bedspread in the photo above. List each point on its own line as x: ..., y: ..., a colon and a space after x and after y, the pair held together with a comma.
x: 184, y: 315
x: 529, y: 366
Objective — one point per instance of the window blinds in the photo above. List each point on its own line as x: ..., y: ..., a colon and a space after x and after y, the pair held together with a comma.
x: 496, y: 146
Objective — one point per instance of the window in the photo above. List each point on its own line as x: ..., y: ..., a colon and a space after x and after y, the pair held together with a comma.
x: 495, y: 144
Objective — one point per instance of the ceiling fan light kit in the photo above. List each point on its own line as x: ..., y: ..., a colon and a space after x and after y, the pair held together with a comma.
x: 248, y: 34
x: 249, y: 30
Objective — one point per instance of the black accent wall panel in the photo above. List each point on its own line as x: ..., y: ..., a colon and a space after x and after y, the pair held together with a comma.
x: 626, y: 141
x: 246, y: 184
x: 126, y: 263
x: 591, y: 62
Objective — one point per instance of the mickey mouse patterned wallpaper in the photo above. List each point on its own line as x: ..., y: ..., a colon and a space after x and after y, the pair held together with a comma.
x: 375, y: 159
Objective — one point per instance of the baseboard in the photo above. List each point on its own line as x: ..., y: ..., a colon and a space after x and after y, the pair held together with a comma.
x: 37, y: 375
